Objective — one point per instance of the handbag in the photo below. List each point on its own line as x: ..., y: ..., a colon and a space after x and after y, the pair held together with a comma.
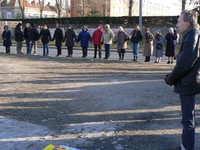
x: 159, y: 45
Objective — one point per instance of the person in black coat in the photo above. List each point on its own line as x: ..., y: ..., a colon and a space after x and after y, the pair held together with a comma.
x: 27, y: 38
x: 19, y: 37
x: 70, y: 37
x: 185, y: 76
x: 34, y: 35
x: 171, y: 38
x: 45, y: 36
x: 6, y: 36
x: 58, y: 36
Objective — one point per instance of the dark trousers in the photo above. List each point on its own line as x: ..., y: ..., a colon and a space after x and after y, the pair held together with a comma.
x: 28, y: 46
x: 107, y: 50
x: 121, y: 53
x: 84, y: 50
x: 7, y: 49
x: 59, y: 50
x: 95, y: 50
x: 70, y: 51
x: 188, y: 122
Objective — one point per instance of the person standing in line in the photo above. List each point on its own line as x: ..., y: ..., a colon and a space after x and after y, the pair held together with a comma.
x: 148, y: 45
x: 6, y: 36
x: 170, y: 45
x: 96, y: 39
x: 185, y: 76
x: 84, y: 37
x: 158, y: 46
x: 19, y: 38
x: 27, y: 38
x: 45, y: 38
x: 58, y: 36
x: 107, y: 38
x: 70, y: 37
x: 122, y: 38
x: 135, y: 38
x: 34, y: 35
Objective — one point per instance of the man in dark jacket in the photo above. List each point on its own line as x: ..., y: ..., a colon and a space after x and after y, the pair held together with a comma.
x: 58, y: 37
x: 186, y: 75
x: 70, y: 37
x: 34, y: 35
x: 27, y: 38
x: 19, y: 37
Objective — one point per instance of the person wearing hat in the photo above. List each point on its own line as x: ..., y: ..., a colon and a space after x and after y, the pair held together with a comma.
x: 69, y: 39
x: 84, y: 37
x: 96, y: 39
x: 107, y: 39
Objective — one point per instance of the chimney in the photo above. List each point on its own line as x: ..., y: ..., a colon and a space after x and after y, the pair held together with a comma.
x: 33, y: 2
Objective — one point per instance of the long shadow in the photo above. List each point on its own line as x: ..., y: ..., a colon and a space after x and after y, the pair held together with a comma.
x: 107, y: 110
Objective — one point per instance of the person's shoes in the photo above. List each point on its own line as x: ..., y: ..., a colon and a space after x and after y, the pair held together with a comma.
x: 21, y: 53
x: 156, y: 61
x: 94, y: 57
x: 168, y: 62
x: 105, y: 58
x: 35, y: 53
x: 68, y: 56
x: 57, y: 55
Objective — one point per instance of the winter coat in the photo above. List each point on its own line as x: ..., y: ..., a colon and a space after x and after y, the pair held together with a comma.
x: 27, y: 33
x: 170, y: 45
x: 108, y: 36
x: 58, y: 36
x: 34, y: 34
x: 186, y: 74
x: 84, y: 37
x: 70, y: 37
x: 148, y: 44
x: 96, y: 37
x: 122, y: 37
x: 158, y: 52
x: 6, y: 35
x: 136, y: 36
x: 45, y: 35
x: 19, y: 34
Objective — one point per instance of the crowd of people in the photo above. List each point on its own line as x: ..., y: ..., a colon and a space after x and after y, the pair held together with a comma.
x: 153, y: 45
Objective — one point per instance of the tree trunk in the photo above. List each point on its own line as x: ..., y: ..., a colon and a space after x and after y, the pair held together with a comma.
x: 130, y: 7
x: 183, y: 4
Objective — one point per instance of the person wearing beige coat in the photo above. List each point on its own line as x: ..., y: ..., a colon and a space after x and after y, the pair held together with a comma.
x: 148, y: 45
x: 107, y: 38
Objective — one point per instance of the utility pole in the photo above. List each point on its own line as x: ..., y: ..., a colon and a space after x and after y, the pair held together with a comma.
x: 140, y: 15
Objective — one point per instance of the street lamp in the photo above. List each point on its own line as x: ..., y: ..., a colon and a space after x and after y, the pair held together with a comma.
x: 140, y: 15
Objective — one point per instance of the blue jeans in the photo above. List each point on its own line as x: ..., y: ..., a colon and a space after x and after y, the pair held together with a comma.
x: 135, y: 48
x: 188, y: 122
x: 45, y: 49
x: 107, y: 50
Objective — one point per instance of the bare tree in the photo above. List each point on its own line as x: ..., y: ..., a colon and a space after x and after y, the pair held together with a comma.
x: 130, y: 7
x: 41, y: 3
x: 183, y: 4
x: 59, y: 7
x: 22, y: 7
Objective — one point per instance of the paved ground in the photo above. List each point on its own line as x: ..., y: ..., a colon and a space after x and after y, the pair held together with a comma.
x: 93, y: 105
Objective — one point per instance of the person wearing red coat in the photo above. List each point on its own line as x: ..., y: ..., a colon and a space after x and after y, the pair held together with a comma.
x: 96, y: 39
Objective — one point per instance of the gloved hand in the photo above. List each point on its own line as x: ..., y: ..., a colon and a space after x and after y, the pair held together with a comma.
x: 167, y: 81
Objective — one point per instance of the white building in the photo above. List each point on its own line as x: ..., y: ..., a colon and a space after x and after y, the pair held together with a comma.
x: 149, y: 7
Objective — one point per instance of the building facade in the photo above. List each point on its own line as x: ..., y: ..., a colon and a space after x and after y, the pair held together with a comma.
x: 10, y: 9
x: 121, y: 8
